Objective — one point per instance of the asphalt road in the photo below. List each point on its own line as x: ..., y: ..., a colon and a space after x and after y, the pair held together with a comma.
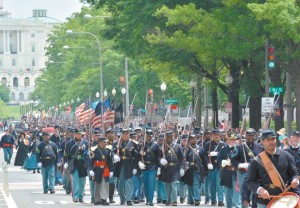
x: 25, y: 190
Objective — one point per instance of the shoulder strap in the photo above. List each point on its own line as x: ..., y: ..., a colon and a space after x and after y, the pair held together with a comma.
x: 272, y: 171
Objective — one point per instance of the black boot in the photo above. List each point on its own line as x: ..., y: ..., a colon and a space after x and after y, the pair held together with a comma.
x: 104, y: 202
x: 111, y: 193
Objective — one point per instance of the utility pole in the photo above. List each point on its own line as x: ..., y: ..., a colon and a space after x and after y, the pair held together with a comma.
x: 127, y: 88
x: 289, y: 108
x: 267, y: 86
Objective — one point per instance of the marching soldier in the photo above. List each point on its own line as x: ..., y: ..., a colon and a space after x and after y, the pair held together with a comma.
x: 182, y: 186
x: 125, y: 153
x: 212, y: 149
x: 160, y: 186
x: 7, y: 142
x: 66, y: 174
x: 228, y: 173
x: 171, y: 159
x: 281, y: 170
x: 102, y: 169
x: 93, y: 146
x: 77, y: 162
x: 55, y: 138
x: 196, y: 169
x: 46, y: 156
x: 148, y: 164
x: 241, y: 157
x: 294, y: 149
x: 112, y: 180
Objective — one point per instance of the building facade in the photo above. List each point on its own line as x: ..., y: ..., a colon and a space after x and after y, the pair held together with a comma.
x: 22, y: 51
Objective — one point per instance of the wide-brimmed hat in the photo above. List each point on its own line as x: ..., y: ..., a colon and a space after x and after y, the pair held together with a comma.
x: 281, y: 131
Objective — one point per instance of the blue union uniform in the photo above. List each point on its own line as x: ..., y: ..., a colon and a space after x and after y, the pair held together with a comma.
x: 7, y: 142
x: 151, y: 150
x: 213, y: 175
x: 76, y: 154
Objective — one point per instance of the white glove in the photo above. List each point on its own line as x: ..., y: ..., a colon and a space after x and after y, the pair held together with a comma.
x: 92, y: 173
x: 28, y: 154
x: 158, y: 171
x: 181, y: 172
x: 163, y: 161
x: 241, y: 165
x: 66, y: 165
x: 39, y: 164
x: 226, y: 163
x: 58, y: 164
x: 246, y: 165
x: 116, y: 158
x: 210, y: 166
x: 134, y: 171
x: 212, y: 154
x: 111, y: 174
x: 142, y: 165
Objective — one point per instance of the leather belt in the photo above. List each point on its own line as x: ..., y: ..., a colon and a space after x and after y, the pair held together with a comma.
x: 231, y: 168
x: 171, y: 164
x: 7, y: 145
x: 149, y: 162
x: 124, y: 158
x: 46, y: 158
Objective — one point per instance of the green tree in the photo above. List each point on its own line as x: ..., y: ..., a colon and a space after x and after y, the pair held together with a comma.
x: 4, y: 93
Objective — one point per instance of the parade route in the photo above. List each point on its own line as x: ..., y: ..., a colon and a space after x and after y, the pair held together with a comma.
x: 25, y: 190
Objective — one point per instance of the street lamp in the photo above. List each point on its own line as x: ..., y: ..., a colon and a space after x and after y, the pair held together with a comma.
x: 229, y: 80
x: 100, y: 56
x: 123, y: 91
x: 163, y: 88
x: 105, y: 93
x: 97, y: 94
x: 88, y: 16
x: 114, y: 92
x: 193, y: 85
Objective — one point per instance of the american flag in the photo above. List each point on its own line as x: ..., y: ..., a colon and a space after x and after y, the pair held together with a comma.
x: 108, y: 114
x: 84, y: 112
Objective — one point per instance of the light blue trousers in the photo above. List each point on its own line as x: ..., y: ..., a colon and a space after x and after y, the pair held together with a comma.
x: 48, y: 177
x: 78, y: 185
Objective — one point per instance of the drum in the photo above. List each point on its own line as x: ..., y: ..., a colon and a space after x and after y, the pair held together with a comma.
x: 288, y: 200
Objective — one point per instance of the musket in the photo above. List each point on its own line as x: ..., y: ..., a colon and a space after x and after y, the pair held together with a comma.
x: 166, y: 128
x: 244, y: 118
x: 127, y: 119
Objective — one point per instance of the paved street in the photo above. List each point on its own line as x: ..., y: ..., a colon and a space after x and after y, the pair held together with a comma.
x: 25, y: 190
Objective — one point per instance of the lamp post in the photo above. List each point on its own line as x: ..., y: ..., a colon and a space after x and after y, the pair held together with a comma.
x: 163, y: 88
x: 100, y: 56
x: 229, y: 80
x: 193, y: 85
x: 123, y: 91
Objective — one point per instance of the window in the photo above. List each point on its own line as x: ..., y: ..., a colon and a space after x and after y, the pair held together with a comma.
x: 0, y: 62
x: 33, y: 48
x: 13, y: 62
x: 4, y: 81
x: 21, y: 96
x: 15, y: 82
x: 33, y: 62
x: 12, y: 96
x: 32, y: 35
x: 10, y: 34
x: 26, y: 82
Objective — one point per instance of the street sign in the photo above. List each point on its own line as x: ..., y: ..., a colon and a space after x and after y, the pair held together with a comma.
x: 172, y: 101
x: 267, y: 104
x: 276, y: 90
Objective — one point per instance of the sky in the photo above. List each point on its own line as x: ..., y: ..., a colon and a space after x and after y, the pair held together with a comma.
x: 59, y: 9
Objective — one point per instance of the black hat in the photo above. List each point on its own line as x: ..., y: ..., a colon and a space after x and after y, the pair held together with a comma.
x: 207, y: 131
x: 102, y: 138
x: 44, y: 133
x: 169, y: 132
x: 71, y: 129
x: 196, y: 130
x: 192, y: 135
x: 233, y: 136
x: 295, y: 133
x: 108, y: 130
x: 250, y: 131
x: 137, y: 129
x: 268, y: 133
x: 97, y: 131
x: 215, y: 131
x: 161, y: 136
x: 149, y: 131
x: 132, y: 133
x: 125, y: 130
x: 77, y: 131
x: 57, y: 126
x: 185, y: 137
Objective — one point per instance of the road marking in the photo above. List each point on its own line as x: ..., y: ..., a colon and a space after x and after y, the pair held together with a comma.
x: 44, y: 202
x: 9, y: 200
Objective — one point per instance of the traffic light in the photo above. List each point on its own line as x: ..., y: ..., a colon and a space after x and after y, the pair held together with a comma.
x: 270, y: 57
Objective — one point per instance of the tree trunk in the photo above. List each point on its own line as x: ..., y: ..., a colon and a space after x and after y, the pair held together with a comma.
x: 235, y: 91
x: 214, y: 98
x: 198, y: 101
x: 255, y: 112
x: 297, y: 103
